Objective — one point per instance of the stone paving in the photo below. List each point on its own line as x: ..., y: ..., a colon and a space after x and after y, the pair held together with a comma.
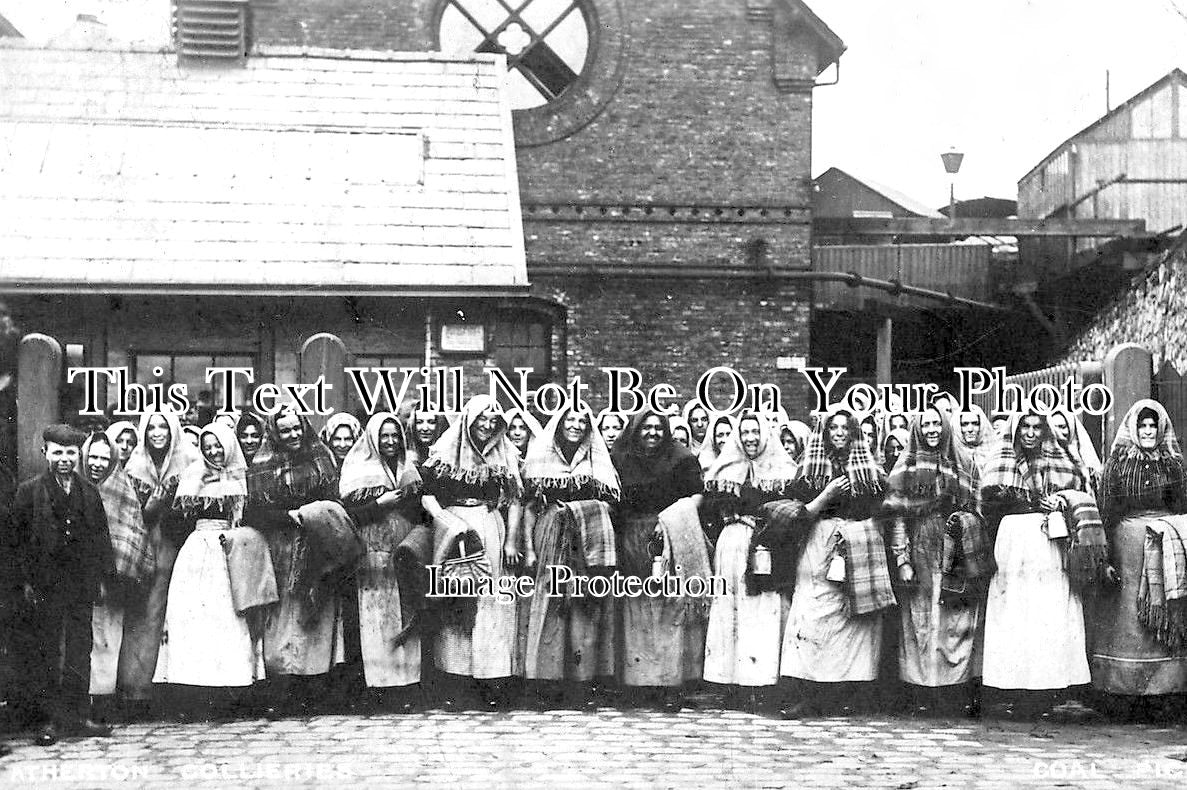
x: 611, y: 748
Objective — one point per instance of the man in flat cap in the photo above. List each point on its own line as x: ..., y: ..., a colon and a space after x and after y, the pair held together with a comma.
x: 59, y: 554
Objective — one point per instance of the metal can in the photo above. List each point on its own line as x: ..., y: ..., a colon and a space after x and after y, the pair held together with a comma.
x: 761, y: 561
x: 659, y: 568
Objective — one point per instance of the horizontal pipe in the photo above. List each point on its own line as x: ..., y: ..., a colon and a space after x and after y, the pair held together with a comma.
x: 852, y: 279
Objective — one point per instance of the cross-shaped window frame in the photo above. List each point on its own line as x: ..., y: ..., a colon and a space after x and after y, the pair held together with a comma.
x: 490, y: 42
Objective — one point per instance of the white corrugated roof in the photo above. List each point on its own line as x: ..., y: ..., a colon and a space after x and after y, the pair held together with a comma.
x: 305, y: 169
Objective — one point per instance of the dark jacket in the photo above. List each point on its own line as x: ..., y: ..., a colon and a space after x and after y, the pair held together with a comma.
x: 58, y: 559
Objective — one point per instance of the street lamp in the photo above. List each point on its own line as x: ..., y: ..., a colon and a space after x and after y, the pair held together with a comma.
x: 952, y: 160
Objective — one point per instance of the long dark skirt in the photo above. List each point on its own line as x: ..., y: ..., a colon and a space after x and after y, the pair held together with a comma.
x: 567, y: 638
x: 662, y: 643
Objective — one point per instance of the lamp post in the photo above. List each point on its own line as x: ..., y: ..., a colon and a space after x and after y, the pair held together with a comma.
x: 952, y: 160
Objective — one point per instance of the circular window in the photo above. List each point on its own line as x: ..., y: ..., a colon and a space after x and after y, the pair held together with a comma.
x: 564, y: 57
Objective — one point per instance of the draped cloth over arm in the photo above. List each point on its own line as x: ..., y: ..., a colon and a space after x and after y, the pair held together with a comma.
x: 867, y: 580
x: 328, y: 549
x: 249, y: 563
x: 1162, y: 591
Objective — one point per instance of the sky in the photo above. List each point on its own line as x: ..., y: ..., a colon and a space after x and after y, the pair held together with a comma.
x: 1003, y: 81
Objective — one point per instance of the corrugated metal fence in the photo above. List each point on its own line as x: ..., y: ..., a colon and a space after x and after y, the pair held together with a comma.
x: 1083, y: 373
x: 959, y: 269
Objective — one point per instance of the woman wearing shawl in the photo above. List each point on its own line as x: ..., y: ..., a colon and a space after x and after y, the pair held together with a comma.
x: 249, y: 430
x: 1072, y: 434
x: 424, y: 428
x: 131, y: 551
x: 381, y: 488
x: 1143, y: 483
x: 471, y: 471
x: 662, y: 640
x: 833, y: 634
x: 745, y: 628
x: 162, y: 453
x: 610, y: 425
x: 571, y: 482
x: 340, y: 433
x: 209, y: 639
x: 1034, y: 621
x: 681, y: 433
x: 522, y: 429
x: 943, y: 555
x: 720, y: 430
x: 292, y: 498
x: 696, y: 416
x: 869, y: 431
x: 974, y: 435
x: 122, y: 436
x: 892, y: 447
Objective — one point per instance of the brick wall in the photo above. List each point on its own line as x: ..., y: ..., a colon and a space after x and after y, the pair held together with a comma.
x: 696, y: 119
x: 672, y: 331
x: 695, y: 70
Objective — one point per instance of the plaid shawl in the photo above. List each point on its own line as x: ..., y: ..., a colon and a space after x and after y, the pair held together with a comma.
x: 820, y: 465
x: 456, y: 455
x: 867, y: 577
x: 772, y: 470
x: 1079, y: 446
x: 967, y: 563
x: 1130, y: 466
x: 709, y: 452
x: 981, y: 450
x: 204, y: 485
x: 547, y: 470
x: 1162, y: 590
x: 146, y: 476
x: 922, y: 476
x: 1087, y: 546
x: 1031, y: 476
x: 592, y: 520
x: 134, y: 556
x: 366, y: 474
x: 279, y: 477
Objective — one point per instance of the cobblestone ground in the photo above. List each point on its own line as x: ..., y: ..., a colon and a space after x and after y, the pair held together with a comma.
x: 708, y: 747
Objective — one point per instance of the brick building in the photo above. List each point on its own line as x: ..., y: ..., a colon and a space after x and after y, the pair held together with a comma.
x: 664, y: 173
x: 663, y: 154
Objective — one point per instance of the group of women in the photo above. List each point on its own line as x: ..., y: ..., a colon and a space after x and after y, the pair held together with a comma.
x: 933, y: 550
